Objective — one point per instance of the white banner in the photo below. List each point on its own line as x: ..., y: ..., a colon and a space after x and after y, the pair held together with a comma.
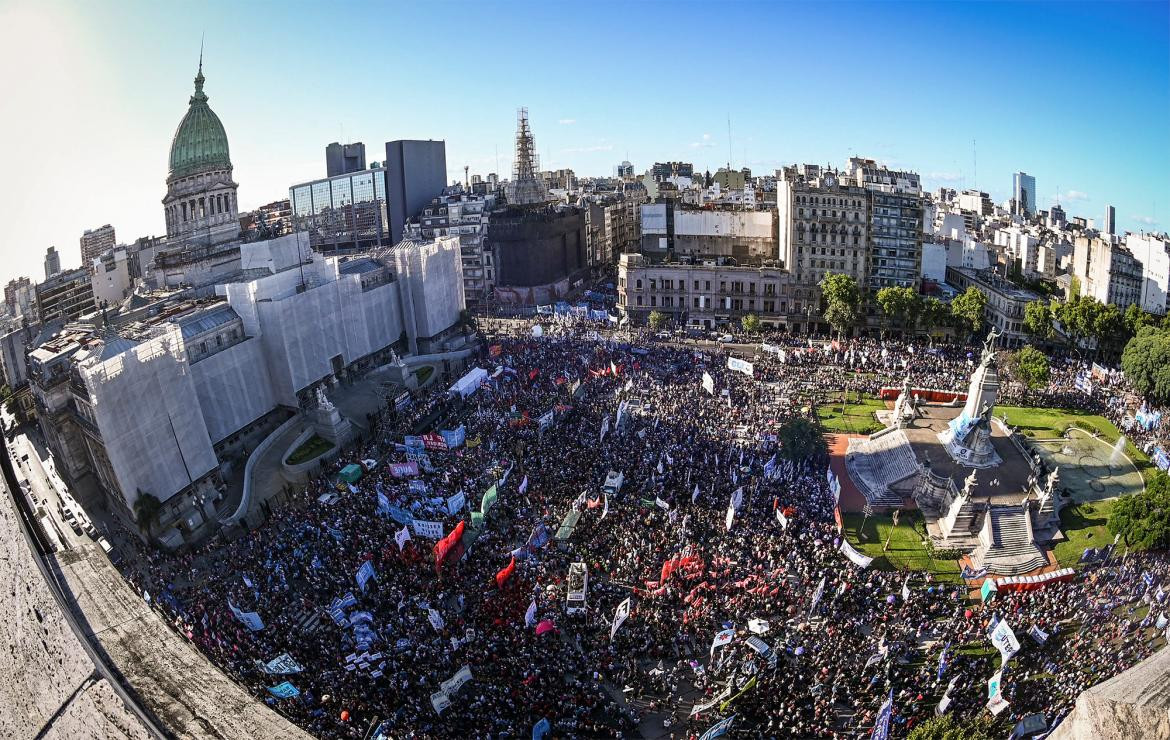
x: 708, y: 383
x: 661, y: 504
x: 759, y: 626
x: 856, y: 557
x: 619, y: 616
x: 431, y: 530
x: 730, y: 516
x: 456, y: 503
x: 737, y: 498
x: 741, y: 366
x: 781, y: 518
x: 696, y: 709
x: 436, y: 620
x: 282, y: 663
x: 1005, y: 640
x: 1041, y: 637
x: 820, y: 592
x: 604, y: 428
x: 440, y: 701
x: 453, y: 684
x: 530, y: 614
x: 401, y: 536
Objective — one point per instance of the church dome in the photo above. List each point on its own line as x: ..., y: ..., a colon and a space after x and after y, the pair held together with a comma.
x: 200, y: 143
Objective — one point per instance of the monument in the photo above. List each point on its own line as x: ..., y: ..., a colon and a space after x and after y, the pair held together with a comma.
x: 328, y: 421
x: 967, y: 438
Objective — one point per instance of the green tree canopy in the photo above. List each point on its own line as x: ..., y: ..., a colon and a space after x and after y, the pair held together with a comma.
x: 1143, y: 519
x: 967, y: 310
x: 1038, y: 319
x: 750, y: 323
x: 1136, y: 319
x: 1146, y: 362
x: 842, y: 301
x: 656, y: 319
x: 933, y: 313
x: 800, y: 439
x: 1031, y: 366
x: 899, y: 305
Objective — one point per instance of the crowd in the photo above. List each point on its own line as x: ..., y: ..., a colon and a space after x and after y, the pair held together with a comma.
x: 712, y: 530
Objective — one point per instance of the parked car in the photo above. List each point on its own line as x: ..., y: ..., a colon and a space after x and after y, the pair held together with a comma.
x: 107, y: 548
x: 88, y: 528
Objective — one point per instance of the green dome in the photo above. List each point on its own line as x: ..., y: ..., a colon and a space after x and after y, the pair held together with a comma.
x: 200, y: 143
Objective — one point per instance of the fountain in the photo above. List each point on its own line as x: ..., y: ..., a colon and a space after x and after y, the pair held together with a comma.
x: 1118, y: 450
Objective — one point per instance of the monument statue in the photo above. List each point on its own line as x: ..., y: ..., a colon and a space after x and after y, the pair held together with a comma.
x: 989, y: 345
x: 322, y: 401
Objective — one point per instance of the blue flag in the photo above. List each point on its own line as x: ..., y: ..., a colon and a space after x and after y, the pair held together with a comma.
x: 942, y: 661
x: 541, y: 728
x: 719, y: 729
x: 284, y: 690
x: 881, y: 727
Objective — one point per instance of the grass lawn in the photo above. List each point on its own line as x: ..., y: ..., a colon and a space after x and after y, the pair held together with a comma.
x: 1046, y: 423
x: 1084, y: 526
x: 309, y: 449
x: 906, y: 550
x: 858, y: 417
x: 423, y: 373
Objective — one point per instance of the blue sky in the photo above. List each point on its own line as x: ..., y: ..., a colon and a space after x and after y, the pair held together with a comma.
x: 1077, y: 95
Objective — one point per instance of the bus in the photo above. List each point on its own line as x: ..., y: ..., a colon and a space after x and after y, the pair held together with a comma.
x: 578, y: 588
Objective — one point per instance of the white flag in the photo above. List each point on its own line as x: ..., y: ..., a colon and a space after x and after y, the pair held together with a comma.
x: 737, y: 498
x: 854, y: 556
x: 530, y: 615
x: 781, y: 518
x: 661, y: 504
x: 1005, y: 640
x: 695, y: 495
x: 660, y: 466
x: 605, y: 506
x: 722, y: 638
x: 730, y: 516
x: 619, y: 616
x: 820, y: 592
x: 906, y: 588
x: 523, y: 485
x: 708, y: 383
x: 401, y: 536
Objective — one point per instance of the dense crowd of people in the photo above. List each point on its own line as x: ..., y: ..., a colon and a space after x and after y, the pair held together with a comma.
x: 740, y: 598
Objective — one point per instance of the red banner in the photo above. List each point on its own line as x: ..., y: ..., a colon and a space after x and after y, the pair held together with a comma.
x: 434, y: 441
x: 506, y: 573
x: 443, y: 546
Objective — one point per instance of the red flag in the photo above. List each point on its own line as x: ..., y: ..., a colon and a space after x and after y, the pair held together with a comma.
x: 443, y: 547
x: 504, y: 574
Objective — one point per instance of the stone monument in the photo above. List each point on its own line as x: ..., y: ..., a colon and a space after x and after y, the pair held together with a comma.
x: 328, y: 421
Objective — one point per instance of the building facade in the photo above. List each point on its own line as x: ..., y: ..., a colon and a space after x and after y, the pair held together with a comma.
x: 96, y: 241
x: 346, y: 211
x: 1005, y: 302
x: 823, y: 225
x: 65, y: 296
x: 416, y: 172
x: 1108, y: 272
x: 1023, y: 194
x: 52, y: 262
x: 343, y: 159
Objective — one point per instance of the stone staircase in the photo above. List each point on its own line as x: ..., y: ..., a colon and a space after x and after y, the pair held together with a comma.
x: 878, y: 462
x: 1011, y: 550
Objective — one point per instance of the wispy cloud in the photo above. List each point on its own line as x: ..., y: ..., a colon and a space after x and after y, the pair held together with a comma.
x: 944, y: 176
x: 566, y: 121
x: 704, y: 142
x: 1074, y: 195
x: 594, y: 148
x: 1147, y: 220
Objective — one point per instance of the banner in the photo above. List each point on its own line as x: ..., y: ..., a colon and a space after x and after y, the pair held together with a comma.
x: 440, y: 701
x: 404, y: 470
x: 718, y: 698
x: 818, y: 594
x: 741, y: 366
x: 488, y: 500
x: 619, y: 616
x: 454, y: 438
x: 383, y: 504
x: 993, y: 684
x: 456, y: 503
x: 881, y: 726
x: 430, y: 530
x: 282, y: 663
x: 541, y: 729
x: 402, y: 516
x: 1041, y: 637
x: 530, y: 614
x: 402, y: 402
x: 436, y: 620
x: 604, y: 428
x: 781, y: 518
x: 730, y: 516
x: 434, y: 441
x: 545, y: 420
x: 719, y: 729
x: 453, y: 684
x: 708, y: 383
x: 605, y: 507
x: 505, y: 573
x: 401, y: 537
x: 284, y: 690
x: 1005, y: 640
x: 853, y: 555
x: 364, y: 574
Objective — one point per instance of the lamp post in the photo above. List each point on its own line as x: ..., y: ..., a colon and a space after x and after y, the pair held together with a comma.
x: 890, y: 534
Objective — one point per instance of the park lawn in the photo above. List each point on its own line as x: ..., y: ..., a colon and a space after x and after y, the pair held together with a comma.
x: 1084, y: 526
x: 906, y: 550
x: 1048, y: 423
x: 858, y: 417
x: 309, y: 449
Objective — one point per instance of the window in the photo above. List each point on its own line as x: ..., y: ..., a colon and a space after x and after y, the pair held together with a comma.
x: 638, y: 285
x: 639, y: 300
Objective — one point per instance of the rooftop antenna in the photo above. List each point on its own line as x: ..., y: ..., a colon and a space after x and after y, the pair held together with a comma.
x: 729, y: 141
x: 974, y: 165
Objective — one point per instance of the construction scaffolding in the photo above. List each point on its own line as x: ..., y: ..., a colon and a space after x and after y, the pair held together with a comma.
x: 525, y: 188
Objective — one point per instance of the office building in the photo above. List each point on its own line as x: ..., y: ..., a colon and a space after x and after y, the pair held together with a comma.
x: 20, y: 299
x: 895, y: 228
x: 343, y: 159
x: 96, y: 241
x: 1109, y: 224
x: 1023, y: 194
x: 665, y: 170
x: 65, y: 296
x: 52, y: 262
x: 1153, y: 252
x: 110, y: 277
x: 347, y: 211
x: 1005, y: 302
x: 1108, y: 272
x: 625, y: 170
x: 416, y: 172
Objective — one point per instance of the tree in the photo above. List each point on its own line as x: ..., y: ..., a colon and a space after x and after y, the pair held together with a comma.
x: 1136, y: 319
x: 842, y: 301
x: 750, y: 323
x: 1078, y: 317
x: 656, y: 319
x: 146, y: 509
x: 967, y: 310
x: 800, y: 439
x: 1038, y: 319
x: 947, y: 727
x: 933, y: 313
x: 897, y: 305
x: 1074, y: 287
x: 1146, y: 363
x: 1143, y: 519
x: 1109, y: 328
x: 1031, y: 367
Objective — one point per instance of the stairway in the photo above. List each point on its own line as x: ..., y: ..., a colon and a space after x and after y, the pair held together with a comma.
x: 1012, y: 551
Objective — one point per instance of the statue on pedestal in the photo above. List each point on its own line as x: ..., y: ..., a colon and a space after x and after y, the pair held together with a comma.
x: 323, y: 402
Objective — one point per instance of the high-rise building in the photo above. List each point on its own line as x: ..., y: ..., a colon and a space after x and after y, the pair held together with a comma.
x: 342, y: 211
x: 65, y: 296
x: 94, y: 242
x: 1024, y: 194
x: 20, y: 298
x: 625, y: 170
x: 1110, y: 224
x: 416, y: 172
x: 52, y: 262
x: 342, y: 159
x: 663, y: 170
x: 200, y: 205
x: 895, y: 232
